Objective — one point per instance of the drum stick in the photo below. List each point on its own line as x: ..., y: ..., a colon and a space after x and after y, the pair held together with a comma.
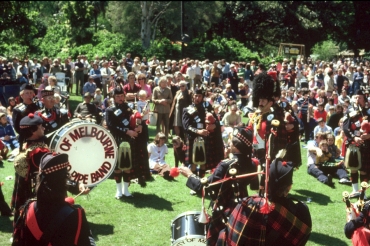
x: 50, y: 134
x: 79, y: 194
x: 236, y: 177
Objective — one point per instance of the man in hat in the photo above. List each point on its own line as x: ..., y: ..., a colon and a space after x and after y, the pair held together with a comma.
x: 193, y: 121
x: 53, y: 118
x: 223, y: 195
x: 31, y: 133
x: 26, y: 107
x: 85, y: 109
x: 268, y: 124
x: 120, y: 122
x: 284, y: 222
x: 50, y: 220
x: 357, y: 139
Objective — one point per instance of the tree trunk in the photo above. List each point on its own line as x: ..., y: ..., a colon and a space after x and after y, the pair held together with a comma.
x: 145, y: 25
x: 96, y: 22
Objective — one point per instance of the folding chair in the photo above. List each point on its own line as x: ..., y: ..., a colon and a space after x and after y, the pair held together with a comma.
x: 61, y: 81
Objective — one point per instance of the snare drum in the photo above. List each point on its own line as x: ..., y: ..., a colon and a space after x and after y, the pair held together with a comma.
x: 91, y: 149
x: 186, y: 230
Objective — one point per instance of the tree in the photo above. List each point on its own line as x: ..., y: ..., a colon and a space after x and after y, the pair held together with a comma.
x: 99, y: 7
x: 325, y: 50
x: 78, y: 17
x: 124, y: 18
x: 19, y: 27
x: 260, y: 23
x: 345, y: 22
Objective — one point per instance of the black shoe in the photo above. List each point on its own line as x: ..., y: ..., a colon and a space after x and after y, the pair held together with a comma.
x: 142, y: 182
x: 330, y: 181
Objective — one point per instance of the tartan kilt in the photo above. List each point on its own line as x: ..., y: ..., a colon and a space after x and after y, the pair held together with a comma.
x: 140, y: 159
x: 365, y: 157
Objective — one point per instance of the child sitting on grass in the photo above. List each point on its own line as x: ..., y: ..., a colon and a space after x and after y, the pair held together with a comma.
x: 327, y: 164
x: 157, y: 151
x: 333, y: 149
x: 179, y: 149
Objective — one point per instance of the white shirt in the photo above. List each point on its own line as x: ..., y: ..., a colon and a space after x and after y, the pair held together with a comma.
x: 311, y: 157
x: 190, y: 72
x: 197, y: 70
x: 157, y: 154
x: 143, y: 107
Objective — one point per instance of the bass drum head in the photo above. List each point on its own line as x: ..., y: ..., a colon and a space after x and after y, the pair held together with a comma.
x: 91, y: 149
x: 186, y: 230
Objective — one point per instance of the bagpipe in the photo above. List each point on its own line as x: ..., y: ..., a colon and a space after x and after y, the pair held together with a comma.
x: 234, y: 178
x: 353, y: 210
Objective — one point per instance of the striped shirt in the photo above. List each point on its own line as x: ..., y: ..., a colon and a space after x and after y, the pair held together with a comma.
x: 303, y: 104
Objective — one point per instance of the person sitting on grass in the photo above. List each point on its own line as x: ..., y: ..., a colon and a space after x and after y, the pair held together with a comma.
x: 157, y: 151
x: 318, y: 165
x: 7, y: 134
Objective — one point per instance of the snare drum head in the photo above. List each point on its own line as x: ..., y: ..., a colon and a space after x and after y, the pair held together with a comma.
x: 91, y: 149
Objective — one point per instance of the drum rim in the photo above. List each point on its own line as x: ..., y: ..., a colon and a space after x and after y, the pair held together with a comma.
x: 185, y: 213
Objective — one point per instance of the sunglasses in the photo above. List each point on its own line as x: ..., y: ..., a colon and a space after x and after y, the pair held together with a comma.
x: 182, y: 85
x: 141, y: 79
x: 49, y: 98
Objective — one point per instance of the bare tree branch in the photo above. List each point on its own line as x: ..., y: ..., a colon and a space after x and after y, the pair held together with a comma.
x: 161, y: 13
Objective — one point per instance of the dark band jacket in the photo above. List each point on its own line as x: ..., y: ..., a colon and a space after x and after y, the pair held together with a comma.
x: 21, y: 111
x: 195, y: 118
x: 118, y: 120
x: 53, y: 119
x: 352, y: 122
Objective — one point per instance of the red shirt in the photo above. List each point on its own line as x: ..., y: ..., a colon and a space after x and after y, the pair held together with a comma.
x: 319, y: 114
x: 183, y: 69
x: 127, y: 89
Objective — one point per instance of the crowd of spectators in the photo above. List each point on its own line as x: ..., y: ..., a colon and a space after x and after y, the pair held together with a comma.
x: 319, y: 92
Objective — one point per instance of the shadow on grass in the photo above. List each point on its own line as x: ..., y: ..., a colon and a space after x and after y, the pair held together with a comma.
x: 321, y: 239
x: 6, y: 224
x: 153, y: 201
x: 100, y: 229
x: 315, y: 197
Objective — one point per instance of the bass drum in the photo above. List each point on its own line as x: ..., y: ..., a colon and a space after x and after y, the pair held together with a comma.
x: 186, y: 230
x: 92, y: 151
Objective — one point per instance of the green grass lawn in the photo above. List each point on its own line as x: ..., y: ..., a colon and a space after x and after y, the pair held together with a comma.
x: 145, y: 219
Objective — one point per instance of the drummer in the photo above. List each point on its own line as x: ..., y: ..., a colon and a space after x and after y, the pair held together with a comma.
x: 32, y: 133
x: 86, y: 109
x: 53, y: 118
